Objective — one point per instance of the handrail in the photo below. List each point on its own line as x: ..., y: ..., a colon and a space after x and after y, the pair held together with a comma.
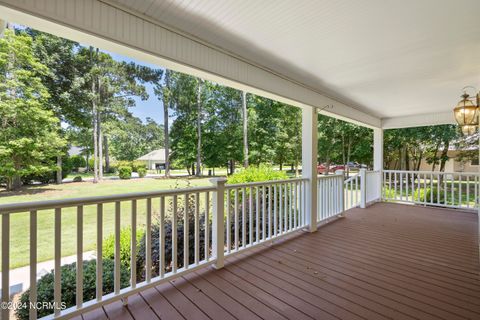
x: 457, y: 190
x: 351, y: 178
x: 66, y: 203
x: 260, y: 183
x: 329, y: 176
x: 434, y: 172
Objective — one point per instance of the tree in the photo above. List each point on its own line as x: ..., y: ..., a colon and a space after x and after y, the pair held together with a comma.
x: 163, y: 92
x: 109, y: 87
x: 29, y: 136
x: 58, y: 54
x: 184, y: 132
x: 199, y: 127
x: 130, y: 138
x: 222, y: 144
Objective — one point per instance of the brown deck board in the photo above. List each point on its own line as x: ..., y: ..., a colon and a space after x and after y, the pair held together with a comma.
x: 236, y: 309
x: 201, y: 300
x: 183, y: 305
x: 243, y: 298
x: 96, y: 314
x: 408, y: 274
x: 160, y: 305
x: 388, y: 261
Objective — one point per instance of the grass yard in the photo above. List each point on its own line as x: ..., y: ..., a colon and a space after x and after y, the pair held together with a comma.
x: 19, y: 232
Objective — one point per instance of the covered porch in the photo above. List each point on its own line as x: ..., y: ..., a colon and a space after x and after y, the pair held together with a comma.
x: 389, y: 261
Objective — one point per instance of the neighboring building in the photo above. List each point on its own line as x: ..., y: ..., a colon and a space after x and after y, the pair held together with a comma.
x: 75, y: 151
x: 453, y: 164
x: 155, y: 160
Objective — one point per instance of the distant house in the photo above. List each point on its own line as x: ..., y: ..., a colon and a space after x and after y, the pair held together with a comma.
x: 155, y: 160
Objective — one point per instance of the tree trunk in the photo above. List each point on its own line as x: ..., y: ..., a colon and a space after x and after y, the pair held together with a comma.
x: 59, y: 170
x: 245, y: 129
x: 100, y: 146
x: 281, y: 166
x: 166, y: 105
x: 14, y: 182
x: 407, y: 159
x: 199, y: 128
x: 107, y: 157
x: 188, y: 170
x: 435, y: 157
x: 95, y: 129
x: 443, y: 156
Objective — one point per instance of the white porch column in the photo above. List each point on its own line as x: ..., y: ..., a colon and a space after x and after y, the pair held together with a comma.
x: 309, y: 163
x: 378, y: 158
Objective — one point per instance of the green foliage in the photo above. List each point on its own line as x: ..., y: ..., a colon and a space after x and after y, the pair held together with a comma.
x: 108, y: 248
x: 131, y: 138
x: 77, y: 161
x: 68, y: 283
x: 257, y: 173
x: 142, y: 172
x: 49, y: 176
x: 136, y: 165
x: 406, y: 148
x: 125, y: 172
x: 77, y: 179
x: 30, y: 131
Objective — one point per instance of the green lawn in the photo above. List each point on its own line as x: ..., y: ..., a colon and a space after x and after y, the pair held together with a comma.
x: 19, y: 232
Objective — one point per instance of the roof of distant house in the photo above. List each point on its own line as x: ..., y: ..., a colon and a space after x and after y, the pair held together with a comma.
x: 155, y: 155
x: 75, y: 151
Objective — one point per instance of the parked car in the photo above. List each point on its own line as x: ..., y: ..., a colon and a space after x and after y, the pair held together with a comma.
x: 322, y: 168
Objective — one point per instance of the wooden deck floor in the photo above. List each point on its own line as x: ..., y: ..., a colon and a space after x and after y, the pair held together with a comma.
x: 389, y: 261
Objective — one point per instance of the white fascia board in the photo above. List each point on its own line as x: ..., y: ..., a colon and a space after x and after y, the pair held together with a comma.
x: 110, y: 28
x: 418, y: 120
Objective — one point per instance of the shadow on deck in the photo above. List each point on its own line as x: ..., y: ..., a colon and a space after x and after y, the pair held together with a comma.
x: 389, y: 261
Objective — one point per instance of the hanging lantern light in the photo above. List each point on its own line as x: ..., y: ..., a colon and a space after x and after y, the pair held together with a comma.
x: 469, y: 130
x: 466, y: 112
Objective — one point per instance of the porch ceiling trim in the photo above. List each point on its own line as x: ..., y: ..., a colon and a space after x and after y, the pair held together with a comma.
x: 123, y: 32
x: 419, y: 120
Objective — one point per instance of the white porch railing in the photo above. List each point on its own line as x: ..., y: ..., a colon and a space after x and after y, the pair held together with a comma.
x: 197, y: 227
x: 445, y: 189
x: 330, y: 196
x: 352, y: 192
x: 262, y: 211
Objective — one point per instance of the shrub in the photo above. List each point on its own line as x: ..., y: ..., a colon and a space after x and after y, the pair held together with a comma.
x: 125, y: 172
x: 77, y: 161
x: 49, y: 175
x: 108, y: 248
x: 68, y: 281
x: 168, y: 247
x: 77, y: 179
x: 142, y: 172
x: 137, y: 165
x: 257, y: 173
x: 425, y: 195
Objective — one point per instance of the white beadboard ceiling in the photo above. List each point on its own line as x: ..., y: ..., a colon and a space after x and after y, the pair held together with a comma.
x: 389, y: 58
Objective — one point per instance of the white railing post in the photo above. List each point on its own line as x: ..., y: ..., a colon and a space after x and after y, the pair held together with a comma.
x: 218, y: 224
x: 363, y: 188
x: 309, y: 163
x: 341, y: 192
